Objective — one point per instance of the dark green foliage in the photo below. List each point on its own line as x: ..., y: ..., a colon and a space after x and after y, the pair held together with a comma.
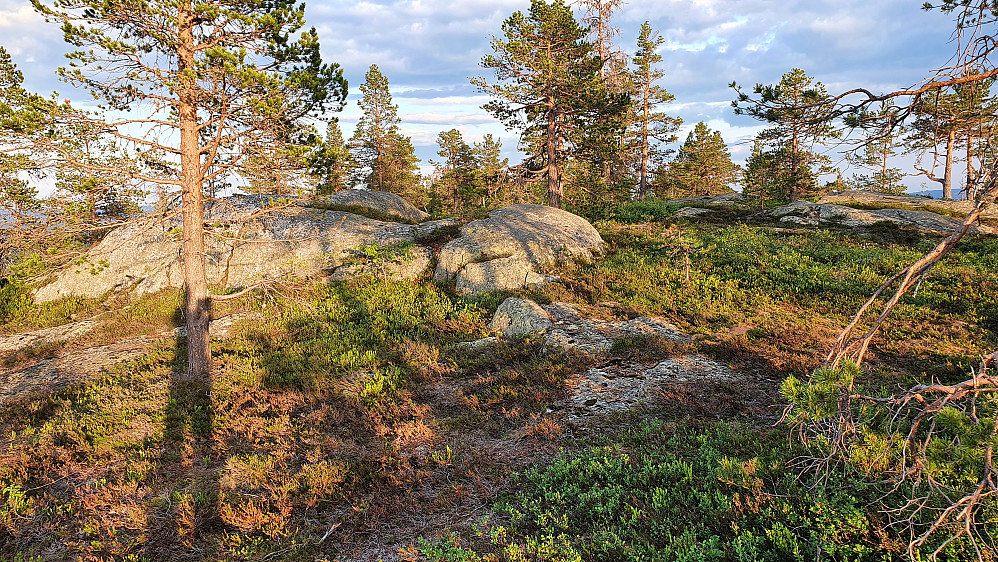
x: 675, y: 492
x: 331, y: 162
x: 646, y: 210
x: 383, y: 159
x: 795, y: 107
x: 349, y: 327
x: 15, y: 298
x: 702, y: 166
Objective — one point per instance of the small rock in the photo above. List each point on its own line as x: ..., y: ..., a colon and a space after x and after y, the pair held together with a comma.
x: 518, y: 317
x: 691, y: 212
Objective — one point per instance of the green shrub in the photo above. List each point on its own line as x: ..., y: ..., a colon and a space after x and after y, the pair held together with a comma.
x: 680, y: 493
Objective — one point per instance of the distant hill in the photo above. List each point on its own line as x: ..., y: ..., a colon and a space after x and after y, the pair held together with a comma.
x: 936, y: 193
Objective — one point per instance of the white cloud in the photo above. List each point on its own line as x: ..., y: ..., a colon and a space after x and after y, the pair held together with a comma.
x: 429, y: 48
x: 448, y: 119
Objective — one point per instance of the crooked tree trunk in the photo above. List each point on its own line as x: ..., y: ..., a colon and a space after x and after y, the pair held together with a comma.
x: 197, y: 307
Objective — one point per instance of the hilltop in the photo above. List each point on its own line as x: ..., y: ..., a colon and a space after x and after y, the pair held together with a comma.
x: 623, y: 408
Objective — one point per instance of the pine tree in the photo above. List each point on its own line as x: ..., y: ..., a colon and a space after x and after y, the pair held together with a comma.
x: 763, y: 178
x: 219, y: 87
x: 547, y: 87
x: 604, y: 148
x: 946, y: 118
x: 23, y: 115
x: 702, y: 166
x: 331, y: 162
x: 796, y: 108
x: 455, y: 172
x: 384, y: 160
x: 597, y: 17
x: 93, y: 180
x: 491, y: 174
x: 877, y: 153
x: 649, y: 129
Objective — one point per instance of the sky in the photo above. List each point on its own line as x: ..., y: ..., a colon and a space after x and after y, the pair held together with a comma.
x: 428, y: 50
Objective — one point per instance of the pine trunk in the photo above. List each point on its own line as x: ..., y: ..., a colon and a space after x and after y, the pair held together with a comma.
x: 197, y: 307
x: 948, y: 172
x: 553, y: 172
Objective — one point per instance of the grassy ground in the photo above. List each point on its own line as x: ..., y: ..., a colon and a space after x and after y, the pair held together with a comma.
x: 347, y: 425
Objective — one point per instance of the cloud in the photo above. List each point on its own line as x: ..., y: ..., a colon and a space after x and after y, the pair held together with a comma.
x: 448, y: 119
x: 429, y: 48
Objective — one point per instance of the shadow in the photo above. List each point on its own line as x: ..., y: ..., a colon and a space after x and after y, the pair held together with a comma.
x: 185, y: 507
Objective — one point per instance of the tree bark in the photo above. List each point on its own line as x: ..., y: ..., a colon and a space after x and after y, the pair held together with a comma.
x: 646, y: 110
x: 197, y: 306
x: 948, y: 172
x: 553, y: 173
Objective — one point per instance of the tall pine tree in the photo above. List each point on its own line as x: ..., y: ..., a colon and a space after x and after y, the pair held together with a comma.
x: 547, y: 86
x: 795, y: 108
x: 384, y: 160
x: 332, y: 162
x: 214, y: 88
x: 650, y: 129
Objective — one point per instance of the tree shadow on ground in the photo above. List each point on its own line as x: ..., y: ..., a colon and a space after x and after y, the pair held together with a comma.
x: 185, y: 506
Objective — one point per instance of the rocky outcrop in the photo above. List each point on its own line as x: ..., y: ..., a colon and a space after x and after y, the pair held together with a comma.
x: 564, y: 326
x: 873, y: 199
x: 618, y: 388
x: 12, y: 344
x: 827, y: 214
x: 67, y: 369
x: 70, y: 367
x: 504, y: 250
x: 376, y: 204
x: 249, y: 239
x: 732, y: 200
x: 518, y: 317
x: 615, y: 386
x: 692, y: 212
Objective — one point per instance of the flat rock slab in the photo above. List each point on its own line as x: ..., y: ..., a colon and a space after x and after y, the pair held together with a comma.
x: 693, y: 212
x: 10, y: 345
x: 828, y: 214
x: 61, y: 372
x: 249, y: 239
x: 874, y: 199
x: 72, y: 367
x: 619, y: 388
x: 732, y: 200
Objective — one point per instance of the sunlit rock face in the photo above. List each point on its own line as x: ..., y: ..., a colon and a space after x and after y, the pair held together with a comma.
x: 505, y: 250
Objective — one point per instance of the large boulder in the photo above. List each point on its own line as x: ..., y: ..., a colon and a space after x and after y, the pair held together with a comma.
x: 376, y: 204
x: 504, y: 250
x: 249, y: 239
